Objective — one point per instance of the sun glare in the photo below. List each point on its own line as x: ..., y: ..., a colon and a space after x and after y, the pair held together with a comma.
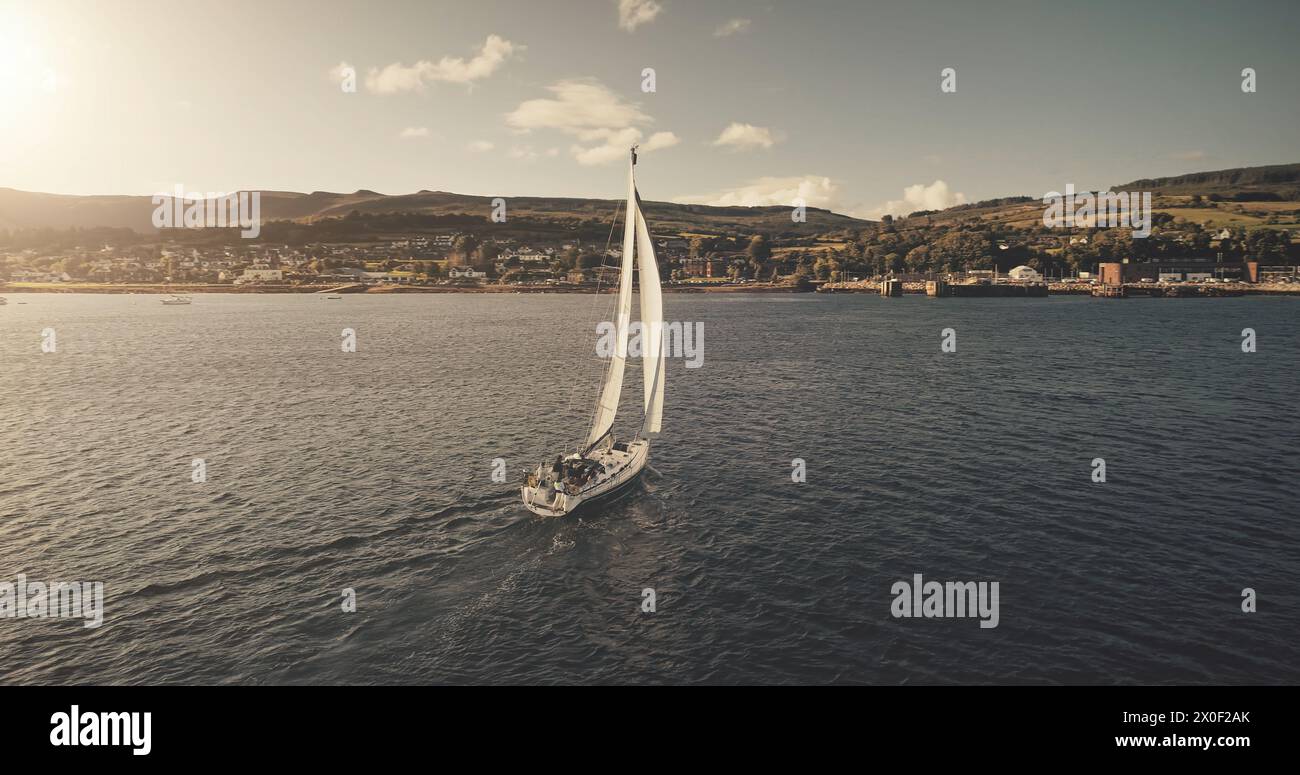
x: 24, y: 72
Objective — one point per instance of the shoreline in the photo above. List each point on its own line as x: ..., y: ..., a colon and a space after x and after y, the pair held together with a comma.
x: 910, y: 289
x: 374, y: 290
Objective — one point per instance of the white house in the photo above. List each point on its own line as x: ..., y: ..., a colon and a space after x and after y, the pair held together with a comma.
x: 1024, y: 273
x: 465, y: 271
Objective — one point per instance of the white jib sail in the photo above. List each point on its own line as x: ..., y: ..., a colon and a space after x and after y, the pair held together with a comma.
x: 613, y: 387
x: 652, y: 327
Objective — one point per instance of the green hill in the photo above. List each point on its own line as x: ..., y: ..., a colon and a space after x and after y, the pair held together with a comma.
x: 1283, y: 180
x: 26, y: 210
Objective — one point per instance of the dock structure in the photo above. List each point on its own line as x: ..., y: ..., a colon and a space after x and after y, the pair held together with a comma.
x: 945, y: 289
x: 1163, y: 291
x: 891, y: 288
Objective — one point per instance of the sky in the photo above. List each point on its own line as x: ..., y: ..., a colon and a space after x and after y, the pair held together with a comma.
x: 754, y: 103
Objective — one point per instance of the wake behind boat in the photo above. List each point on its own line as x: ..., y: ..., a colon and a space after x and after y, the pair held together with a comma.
x: 604, y: 467
x: 176, y: 300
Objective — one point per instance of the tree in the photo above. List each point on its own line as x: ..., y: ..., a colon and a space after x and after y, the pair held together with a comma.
x: 569, y: 259
x: 759, y: 249
x: 826, y: 267
x: 958, y: 250
x: 736, y: 269
x: 918, y: 259
x: 462, y: 249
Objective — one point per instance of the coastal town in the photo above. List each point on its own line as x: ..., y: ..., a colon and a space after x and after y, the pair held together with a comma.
x: 457, y: 260
x: 1244, y: 232
x: 858, y: 261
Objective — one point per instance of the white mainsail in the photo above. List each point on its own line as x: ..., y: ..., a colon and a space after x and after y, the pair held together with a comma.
x: 652, y: 327
x: 607, y: 407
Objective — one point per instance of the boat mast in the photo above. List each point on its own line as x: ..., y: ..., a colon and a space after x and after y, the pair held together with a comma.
x: 612, y: 385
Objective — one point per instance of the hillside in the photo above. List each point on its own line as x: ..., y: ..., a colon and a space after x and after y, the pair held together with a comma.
x: 1249, y: 196
x: 26, y: 210
x: 1280, y: 179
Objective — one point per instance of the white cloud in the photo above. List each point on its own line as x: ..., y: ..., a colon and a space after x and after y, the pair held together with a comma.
x: 814, y: 190
x: 731, y: 27
x: 603, y: 123
x: 660, y: 140
x: 617, y: 143
x: 480, y: 146
x: 414, y: 131
x: 398, y: 77
x: 634, y: 13
x: 578, y: 106
x: 935, y: 196
x: 745, y: 137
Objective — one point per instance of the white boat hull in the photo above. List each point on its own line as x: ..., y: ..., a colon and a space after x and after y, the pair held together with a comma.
x: 621, y: 470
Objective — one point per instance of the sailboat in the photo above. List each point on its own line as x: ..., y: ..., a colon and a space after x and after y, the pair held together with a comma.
x: 604, y: 466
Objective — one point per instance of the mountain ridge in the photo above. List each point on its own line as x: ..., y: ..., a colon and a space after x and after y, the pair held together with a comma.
x: 34, y: 210
x: 1274, y: 178
x: 37, y: 210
